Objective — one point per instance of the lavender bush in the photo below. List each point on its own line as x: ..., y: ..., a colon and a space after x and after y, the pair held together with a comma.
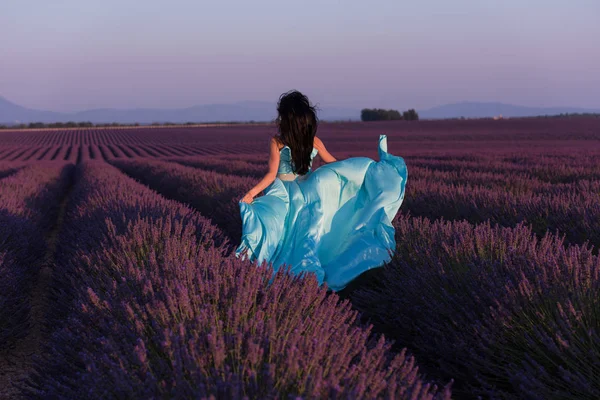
x: 550, y: 168
x: 103, y: 194
x: 506, y: 313
x: 574, y: 213
x: 214, y: 195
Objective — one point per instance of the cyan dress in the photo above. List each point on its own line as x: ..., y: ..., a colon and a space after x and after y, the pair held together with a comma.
x: 335, y: 221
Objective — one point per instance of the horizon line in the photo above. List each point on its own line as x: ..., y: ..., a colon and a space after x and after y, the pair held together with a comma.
x: 239, y: 102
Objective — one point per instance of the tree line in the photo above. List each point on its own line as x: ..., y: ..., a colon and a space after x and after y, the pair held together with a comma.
x: 70, y: 124
x: 379, y: 114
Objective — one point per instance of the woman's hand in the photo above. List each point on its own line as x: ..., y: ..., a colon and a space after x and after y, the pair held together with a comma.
x: 247, y: 198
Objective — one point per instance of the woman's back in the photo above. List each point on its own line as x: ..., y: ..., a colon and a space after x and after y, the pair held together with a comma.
x: 286, y: 165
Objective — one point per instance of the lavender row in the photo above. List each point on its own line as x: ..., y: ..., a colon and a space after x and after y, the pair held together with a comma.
x: 29, y: 202
x: 8, y: 169
x: 157, y: 313
x: 574, y: 214
x: 224, y: 166
x: 506, y: 313
x: 215, y: 195
x: 516, y: 183
x: 551, y: 169
x: 92, y: 152
x: 484, y: 132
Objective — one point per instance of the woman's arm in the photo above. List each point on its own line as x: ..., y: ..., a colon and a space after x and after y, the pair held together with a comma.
x: 269, y: 176
x: 325, y: 155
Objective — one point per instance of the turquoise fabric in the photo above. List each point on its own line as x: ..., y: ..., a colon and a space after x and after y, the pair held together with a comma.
x: 335, y: 222
x: 285, y: 160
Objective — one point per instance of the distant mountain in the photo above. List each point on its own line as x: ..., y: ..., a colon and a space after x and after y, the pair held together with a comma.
x: 11, y: 113
x: 483, y: 110
x: 244, y: 111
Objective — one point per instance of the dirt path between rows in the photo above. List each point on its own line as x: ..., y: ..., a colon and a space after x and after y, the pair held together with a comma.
x: 18, y: 363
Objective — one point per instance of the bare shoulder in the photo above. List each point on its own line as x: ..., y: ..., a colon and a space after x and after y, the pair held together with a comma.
x: 276, y: 142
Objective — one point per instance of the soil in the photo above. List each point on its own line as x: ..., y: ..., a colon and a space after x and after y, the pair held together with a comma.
x: 17, y: 363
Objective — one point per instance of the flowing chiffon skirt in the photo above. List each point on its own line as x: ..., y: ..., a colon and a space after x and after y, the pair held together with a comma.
x: 335, y: 222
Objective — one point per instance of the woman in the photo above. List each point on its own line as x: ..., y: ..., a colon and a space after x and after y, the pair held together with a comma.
x: 335, y: 221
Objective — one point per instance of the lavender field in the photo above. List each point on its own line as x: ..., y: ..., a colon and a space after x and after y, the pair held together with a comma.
x: 117, y: 278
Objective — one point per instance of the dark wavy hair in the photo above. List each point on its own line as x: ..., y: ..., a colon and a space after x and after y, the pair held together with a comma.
x: 297, y: 124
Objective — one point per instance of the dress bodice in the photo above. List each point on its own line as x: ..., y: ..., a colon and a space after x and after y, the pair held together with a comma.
x: 285, y: 160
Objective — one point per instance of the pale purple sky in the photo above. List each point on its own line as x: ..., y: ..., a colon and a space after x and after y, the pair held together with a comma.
x: 69, y: 55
